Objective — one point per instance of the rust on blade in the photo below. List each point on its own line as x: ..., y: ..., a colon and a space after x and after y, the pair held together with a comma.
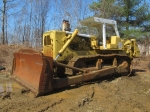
x: 33, y: 70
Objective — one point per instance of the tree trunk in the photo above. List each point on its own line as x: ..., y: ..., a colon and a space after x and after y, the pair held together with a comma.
x: 3, y: 21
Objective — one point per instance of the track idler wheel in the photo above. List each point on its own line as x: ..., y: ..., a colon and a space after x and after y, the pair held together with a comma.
x: 124, y: 67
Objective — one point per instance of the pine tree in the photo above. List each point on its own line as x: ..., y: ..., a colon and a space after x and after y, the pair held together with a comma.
x: 133, y: 16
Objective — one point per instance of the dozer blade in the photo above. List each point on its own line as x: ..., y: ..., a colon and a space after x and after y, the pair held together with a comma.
x: 33, y: 71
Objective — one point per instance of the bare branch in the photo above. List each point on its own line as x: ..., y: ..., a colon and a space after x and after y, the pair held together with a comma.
x: 9, y: 1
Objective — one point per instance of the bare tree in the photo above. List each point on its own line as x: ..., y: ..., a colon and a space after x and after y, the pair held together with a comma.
x: 31, y: 20
x: 34, y: 17
x: 7, y: 5
x: 3, y: 21
x: 73, y: 10
x: 38, y: 18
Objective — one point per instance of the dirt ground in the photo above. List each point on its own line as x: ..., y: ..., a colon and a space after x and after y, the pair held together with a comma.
x: 115, y: 94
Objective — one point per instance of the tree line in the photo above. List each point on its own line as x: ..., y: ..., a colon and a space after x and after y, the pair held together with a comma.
x: 24, y: 21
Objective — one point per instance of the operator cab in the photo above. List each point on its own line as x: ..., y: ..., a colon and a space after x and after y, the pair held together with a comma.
x: 104, y: 29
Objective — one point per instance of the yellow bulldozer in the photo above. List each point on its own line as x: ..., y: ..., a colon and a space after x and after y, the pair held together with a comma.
x: 71, y: 57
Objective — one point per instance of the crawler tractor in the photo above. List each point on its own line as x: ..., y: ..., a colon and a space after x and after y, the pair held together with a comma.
x: 71, y: 57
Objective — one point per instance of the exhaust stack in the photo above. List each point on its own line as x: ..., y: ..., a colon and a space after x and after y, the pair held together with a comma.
x: 66, y: 25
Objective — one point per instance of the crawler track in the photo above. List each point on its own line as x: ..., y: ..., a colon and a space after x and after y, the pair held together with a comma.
x: 107, y: 60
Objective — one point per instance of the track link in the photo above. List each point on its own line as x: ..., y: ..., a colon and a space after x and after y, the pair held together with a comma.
x: 123, y: 62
